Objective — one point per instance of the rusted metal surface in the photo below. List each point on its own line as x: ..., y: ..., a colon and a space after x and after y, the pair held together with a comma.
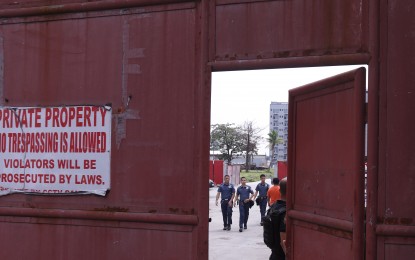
x: 143, y: 65
x: 396, y: 230
x: 399, y: 55
x: 292, y: 62
x: 397, y: 248
x: 279, y: 29
x: 326, y: 165
x: 67, y: 68
x: 321, y: 220
x: 143, y: 57
x: 117, y: 214
x: 29, y: 8
x: 73, y: 241
x: 373, y: 131
x: 395, y: 194
x: 316, y: 238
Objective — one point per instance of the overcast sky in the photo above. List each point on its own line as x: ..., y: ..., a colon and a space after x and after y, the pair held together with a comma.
x: 239, y: 96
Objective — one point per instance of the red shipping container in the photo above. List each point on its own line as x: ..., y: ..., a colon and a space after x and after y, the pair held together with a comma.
x: 217, y: 173
x: 282, y: 170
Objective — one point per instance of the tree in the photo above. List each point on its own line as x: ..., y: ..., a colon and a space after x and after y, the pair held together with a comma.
x: 250, y: 139
x: 273, y: 140
x: 225, y: 138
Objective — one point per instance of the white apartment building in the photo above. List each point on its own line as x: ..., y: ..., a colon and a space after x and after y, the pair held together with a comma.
x: 279, y: 122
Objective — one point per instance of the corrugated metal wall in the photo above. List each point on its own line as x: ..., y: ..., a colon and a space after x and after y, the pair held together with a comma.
x: 152, y: 61
x: 326, y: 174
x: 395, y: 212
x: 143, y: 62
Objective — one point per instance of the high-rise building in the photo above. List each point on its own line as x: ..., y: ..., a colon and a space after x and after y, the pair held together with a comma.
x: 279, y: 123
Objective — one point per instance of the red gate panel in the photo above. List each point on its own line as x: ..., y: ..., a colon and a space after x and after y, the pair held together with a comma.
x: 278, y: 29
x: 142, y: 61
x: 326, y: 168
x: 218, y: 171
x: 392, y: 184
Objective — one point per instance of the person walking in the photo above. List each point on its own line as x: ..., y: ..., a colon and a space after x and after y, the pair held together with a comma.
x: 245, y: 194
x: 279, y: 248
x: 262, y: 188
x: 226, y: 192
x: 273, y: 193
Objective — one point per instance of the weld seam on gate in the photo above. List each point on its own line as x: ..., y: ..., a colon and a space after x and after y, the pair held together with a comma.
x: 82, y: 7
x: 321, y: 220
x: 232, y: 2
x: 175, y: 219
x: 395, y: 230
x: 291, y: 62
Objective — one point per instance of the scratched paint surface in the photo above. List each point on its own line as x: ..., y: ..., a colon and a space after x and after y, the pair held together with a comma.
x: 137, y: 64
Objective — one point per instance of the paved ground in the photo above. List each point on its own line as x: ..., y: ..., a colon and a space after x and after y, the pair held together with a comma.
x: 234, y: 244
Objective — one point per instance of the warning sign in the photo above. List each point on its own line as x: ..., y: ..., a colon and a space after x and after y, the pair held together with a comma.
x: 55, y: 150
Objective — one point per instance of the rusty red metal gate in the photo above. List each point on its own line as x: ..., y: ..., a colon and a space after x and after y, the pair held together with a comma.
x: 326, y: 168
x: 142, y: 62
x: 138, y: 55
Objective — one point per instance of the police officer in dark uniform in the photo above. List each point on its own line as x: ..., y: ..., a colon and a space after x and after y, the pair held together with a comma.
x: 227, y: 192
x: 243, y: 192
x: 262, y: 188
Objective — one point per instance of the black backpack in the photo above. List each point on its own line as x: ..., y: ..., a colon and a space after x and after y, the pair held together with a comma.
x: 270, y: 220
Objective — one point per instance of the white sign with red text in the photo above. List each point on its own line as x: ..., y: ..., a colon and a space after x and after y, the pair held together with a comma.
x: 55, y: 150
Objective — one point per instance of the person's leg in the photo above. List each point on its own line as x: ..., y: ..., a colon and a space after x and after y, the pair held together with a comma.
x: 224, y: 208
x: 246, y: 208
x: 241, y: 215
x: 276, y: 254
x: 229, y: 210
x: 263, y: 207
x: 272, y: 256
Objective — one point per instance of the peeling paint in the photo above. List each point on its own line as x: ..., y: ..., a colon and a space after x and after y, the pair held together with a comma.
x: 125, y: 47
x: 127, y: 69
x: 133, y: 69
x: 112, y: 209
x: 121, y: 124
x: 135, y: 53
x: 388, y: 213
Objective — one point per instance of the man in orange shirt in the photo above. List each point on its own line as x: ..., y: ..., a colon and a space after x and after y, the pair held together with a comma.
x: 273, y: 193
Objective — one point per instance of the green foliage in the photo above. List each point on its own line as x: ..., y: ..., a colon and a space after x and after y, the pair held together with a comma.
x: 273, y: 140
x: 226, y: 138
x: 230, y: 140
x: 253, y: 175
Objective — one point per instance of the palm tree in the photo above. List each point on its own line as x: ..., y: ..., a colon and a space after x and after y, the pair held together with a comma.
x: 273, y: 140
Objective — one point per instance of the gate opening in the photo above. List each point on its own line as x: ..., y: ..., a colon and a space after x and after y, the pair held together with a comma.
x: 253, y: 103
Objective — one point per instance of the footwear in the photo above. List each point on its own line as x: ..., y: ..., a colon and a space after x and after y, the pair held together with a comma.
x: 229, y: 227
x: 225, y: 228
x: 245, y: 227
x: 240, y: 230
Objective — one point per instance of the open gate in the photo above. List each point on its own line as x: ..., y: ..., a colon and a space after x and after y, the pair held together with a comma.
x: 326, y: 168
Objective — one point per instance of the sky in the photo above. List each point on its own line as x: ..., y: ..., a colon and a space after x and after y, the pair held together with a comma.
x: 241, y: 96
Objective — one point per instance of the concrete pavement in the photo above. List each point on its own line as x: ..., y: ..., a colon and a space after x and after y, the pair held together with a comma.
x: 233, y: 244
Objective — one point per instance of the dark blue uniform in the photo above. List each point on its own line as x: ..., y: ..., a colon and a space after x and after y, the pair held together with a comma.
x: 262, y: 195
x: 277, y: 253
x: 243, y: 192
x: 226, y: 191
